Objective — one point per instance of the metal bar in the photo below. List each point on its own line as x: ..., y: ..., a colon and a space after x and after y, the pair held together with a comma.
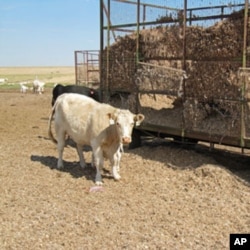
x: 144, y: 14
x: 82, y: 51
x: 245, y: 34
x: 184, y: 25
x: 138, y: 32
x: 200, y: 136
x: 109, y: 21
x: 76, y: 73
x: 163, y: 67
x: 217, y: 7
x: 123, y: 30
x: 161, y: 22
x: 176, y: 9
x: 205, y: 59
x: 101, y: 49
x: 87, y: 66
x: 93, y: 70
x: 147, y: 4
x: 243, y: 127
x: 108, y: 51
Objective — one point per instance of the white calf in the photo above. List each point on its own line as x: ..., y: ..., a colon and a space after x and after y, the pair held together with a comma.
x: 87, y: 122
x: 38, y: 86
x: 3, y: 80
x: 23, y: 88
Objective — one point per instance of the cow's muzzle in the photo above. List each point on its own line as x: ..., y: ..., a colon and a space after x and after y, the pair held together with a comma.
x: 126, y: 140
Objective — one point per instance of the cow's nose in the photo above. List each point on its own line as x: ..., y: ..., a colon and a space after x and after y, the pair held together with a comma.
x: 126, y: 140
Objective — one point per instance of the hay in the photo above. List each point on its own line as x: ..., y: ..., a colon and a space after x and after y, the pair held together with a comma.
x: 213, y: 89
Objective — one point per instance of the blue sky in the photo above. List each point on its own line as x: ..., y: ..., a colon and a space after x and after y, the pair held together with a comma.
x: 47, y: 32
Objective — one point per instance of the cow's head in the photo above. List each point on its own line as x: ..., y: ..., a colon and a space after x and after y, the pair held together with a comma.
x: 124, y: 121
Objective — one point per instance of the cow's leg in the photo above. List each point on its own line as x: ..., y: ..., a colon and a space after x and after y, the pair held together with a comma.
x: 115, y: 163
x: 98, y: 157
x: 80, y: 154
x: 93, y: 161
x: 119, y: 159
x: 60, y: 146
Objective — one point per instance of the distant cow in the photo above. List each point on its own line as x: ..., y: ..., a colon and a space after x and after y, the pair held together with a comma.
x: 60, y: 89
x: 3, y: 80
x: 87, y: 122
x: 38, y: 86
x: 23, y: 88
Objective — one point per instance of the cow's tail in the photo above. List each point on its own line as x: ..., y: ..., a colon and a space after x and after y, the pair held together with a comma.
x: 51, y: 136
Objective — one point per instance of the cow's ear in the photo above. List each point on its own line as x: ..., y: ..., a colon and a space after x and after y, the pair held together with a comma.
x: 138, y: 119
x: 111, y: 117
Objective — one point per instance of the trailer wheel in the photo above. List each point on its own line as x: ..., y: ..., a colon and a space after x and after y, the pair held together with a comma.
x: 136, y: 139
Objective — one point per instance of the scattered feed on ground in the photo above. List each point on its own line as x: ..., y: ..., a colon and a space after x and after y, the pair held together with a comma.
x: 170, y: 196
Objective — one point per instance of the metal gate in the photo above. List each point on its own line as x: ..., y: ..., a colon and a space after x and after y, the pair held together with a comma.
x: 87, y: 67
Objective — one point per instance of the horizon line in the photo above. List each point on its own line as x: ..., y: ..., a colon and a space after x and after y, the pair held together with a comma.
x: 41, y: 66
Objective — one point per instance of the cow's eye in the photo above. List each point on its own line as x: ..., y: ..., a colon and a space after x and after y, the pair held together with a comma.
x: 117, y: 123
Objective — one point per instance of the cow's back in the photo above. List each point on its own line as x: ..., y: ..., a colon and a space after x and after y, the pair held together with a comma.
x: 81, y: 117
x: 57, y: 91
x: 83, y: 90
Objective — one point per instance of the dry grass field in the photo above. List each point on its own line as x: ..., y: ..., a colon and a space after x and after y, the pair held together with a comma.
x: 170, y: 196
x: 50, y: 75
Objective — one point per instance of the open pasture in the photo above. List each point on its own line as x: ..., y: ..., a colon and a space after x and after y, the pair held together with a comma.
x: 50, y: 75
x: 169, y: 197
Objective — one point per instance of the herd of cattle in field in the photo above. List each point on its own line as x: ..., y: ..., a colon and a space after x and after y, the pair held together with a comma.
x: 37, y: 86
x: 78, y: 114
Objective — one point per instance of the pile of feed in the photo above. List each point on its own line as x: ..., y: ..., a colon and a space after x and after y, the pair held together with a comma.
x: 213, y: 85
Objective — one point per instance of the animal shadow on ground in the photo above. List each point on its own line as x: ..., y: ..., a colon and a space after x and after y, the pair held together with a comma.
x: 236, y: 163
x: 73, y: 168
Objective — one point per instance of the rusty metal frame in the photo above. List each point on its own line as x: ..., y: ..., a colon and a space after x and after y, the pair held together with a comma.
x: 90, y: 61
x: 188, y: 18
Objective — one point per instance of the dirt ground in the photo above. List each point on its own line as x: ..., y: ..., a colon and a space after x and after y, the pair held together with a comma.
x: 170, y: 196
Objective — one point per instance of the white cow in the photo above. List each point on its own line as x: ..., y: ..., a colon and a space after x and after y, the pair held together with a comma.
x: 3, y: 80
x: 23, y: 88
x: 88, y: 122
x: 38, y: 86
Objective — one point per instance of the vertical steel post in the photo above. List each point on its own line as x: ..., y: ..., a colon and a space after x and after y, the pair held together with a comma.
x: 144, y: 14
x: 245, y: 34
x: 101, y: 50
x: 184, y: 24
x: 76, y: 73
x: 244, y: 55
x: 138, y: 31
x: 138, y: 47
x: 87, y: 67
x: 108, y: 50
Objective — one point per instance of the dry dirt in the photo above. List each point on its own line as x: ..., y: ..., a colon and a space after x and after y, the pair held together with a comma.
x: 170, y: 196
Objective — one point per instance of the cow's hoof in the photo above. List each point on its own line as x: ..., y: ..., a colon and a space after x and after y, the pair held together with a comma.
x: 117, y: 177
x: 99, y: 183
